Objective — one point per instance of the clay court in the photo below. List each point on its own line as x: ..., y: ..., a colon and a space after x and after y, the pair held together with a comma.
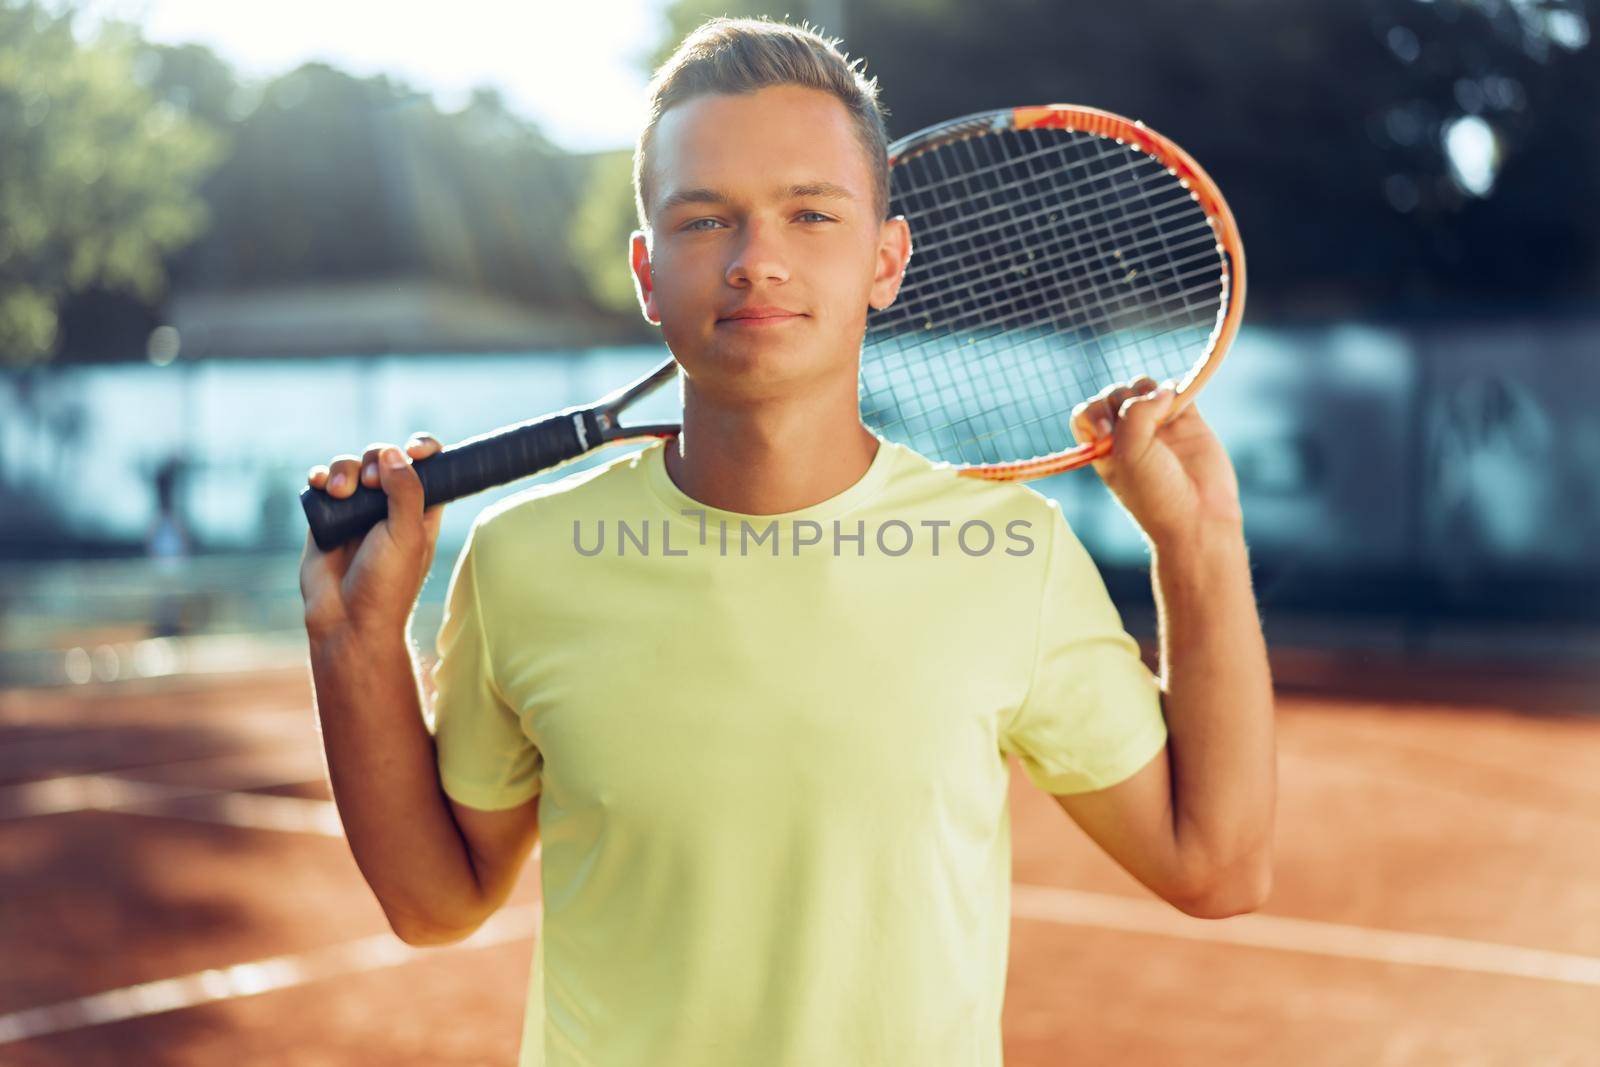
x: 240, y: 243
x: 177, y: 892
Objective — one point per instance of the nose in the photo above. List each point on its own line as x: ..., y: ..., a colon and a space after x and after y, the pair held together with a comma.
x: 758, y: 258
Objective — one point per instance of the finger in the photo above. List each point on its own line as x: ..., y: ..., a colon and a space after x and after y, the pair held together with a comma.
x: 1141, y: 388
x: 342, y: 475
x: 369, y: 465
x: 422, y: 444
x: 1106, y: 408
x: 1186, y: 414
x: 1140, y: 417
x: 1089, y: 421
x: 1099, y: 413
x: 431, y: 519
x: 313, y: 561
x: 404, y: 490
x: 1119, y: 395
x: 317, y: 477
x: 1079, y: 423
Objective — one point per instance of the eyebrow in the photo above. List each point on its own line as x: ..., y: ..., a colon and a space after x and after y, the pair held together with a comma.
x: 798, y: 191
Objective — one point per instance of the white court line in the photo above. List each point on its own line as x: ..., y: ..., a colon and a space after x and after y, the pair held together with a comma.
x: 1040, y: 903
x: 95, y: 789
x: 251, y: 811
x: 248, y: 979
x: 105, y: 792
x: 1106, y: 912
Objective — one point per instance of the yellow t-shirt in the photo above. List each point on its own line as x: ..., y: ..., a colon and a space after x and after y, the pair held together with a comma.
x: 772, y: 753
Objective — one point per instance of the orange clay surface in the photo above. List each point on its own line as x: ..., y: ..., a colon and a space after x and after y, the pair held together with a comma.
x: 1437, y: 899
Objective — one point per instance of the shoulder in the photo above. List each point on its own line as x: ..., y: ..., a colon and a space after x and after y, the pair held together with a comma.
x: 529, y: 516
x: 922, y: 481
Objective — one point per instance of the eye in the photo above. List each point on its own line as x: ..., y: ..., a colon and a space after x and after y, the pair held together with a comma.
x: 695, y: 224
x: 814, y: 216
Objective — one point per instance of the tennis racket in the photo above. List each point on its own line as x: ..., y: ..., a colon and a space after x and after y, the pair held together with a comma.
x: 1057, y: 250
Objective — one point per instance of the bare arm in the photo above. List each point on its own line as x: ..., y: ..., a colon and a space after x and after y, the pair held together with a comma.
x: 385, y: 779
x: 1195, y: 824
x: 1219, y: 709
x: 438, y: 868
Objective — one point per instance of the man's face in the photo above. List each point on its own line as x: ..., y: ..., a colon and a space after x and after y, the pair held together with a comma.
x: 766, y: 247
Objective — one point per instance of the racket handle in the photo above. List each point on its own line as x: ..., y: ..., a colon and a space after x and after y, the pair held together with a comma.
x: 465, y: 468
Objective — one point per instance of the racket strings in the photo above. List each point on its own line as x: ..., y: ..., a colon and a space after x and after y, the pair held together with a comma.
x: 1036, y: 370
x: 1047, y: 265
x: 1095, y: 239
x: 1002, y: 201
x: 1012, y: 311
x: 1151, y: 298
x: 1083, y: 279
x: 1020, y: 257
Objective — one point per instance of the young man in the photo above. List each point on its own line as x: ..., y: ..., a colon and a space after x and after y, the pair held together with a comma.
x: 770, y: 741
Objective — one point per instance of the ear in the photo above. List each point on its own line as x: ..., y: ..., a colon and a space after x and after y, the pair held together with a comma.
x: 643, y: 276
x: 894, y: 252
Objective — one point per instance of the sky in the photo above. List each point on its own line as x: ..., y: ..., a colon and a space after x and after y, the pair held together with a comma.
x: 573, y: 67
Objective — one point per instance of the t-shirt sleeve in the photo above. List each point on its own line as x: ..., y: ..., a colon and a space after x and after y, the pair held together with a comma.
x: 1092, y: 713
x: 486, y: 759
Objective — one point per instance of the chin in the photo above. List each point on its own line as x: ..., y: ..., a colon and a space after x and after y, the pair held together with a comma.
x: 756, y: 371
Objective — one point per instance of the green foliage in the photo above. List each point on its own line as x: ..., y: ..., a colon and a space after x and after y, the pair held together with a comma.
x: 324, y: 176
x: 332, y: 176
x: 1323, y: 123
x: 97, y: 179
x: 684, y: 15
x: 601, y: 232
x: 124, y: 164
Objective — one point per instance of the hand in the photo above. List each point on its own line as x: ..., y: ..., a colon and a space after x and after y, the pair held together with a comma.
x: 1173, y: 477
x: 370, y: 583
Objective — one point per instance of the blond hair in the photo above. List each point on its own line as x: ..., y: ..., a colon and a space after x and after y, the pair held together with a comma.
x: 727, y: 55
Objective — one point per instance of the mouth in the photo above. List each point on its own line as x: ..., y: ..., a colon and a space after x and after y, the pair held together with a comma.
x: 759, y: 317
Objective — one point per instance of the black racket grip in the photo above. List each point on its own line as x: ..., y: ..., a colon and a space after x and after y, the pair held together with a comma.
x: 463, y: 469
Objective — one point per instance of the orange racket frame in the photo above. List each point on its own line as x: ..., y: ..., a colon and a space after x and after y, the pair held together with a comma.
x: 1202, y: 189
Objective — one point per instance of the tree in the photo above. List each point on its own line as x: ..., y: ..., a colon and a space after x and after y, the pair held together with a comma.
x: 601, y: 230
x: 332, y: 176
x: 98, y: 180
x: 1327, y: 125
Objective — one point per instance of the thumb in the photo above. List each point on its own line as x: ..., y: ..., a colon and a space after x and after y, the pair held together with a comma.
x: 404, y: 490
x: 1141, y: 417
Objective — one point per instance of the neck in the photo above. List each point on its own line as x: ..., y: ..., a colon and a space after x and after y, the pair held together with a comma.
x: 770, y: 457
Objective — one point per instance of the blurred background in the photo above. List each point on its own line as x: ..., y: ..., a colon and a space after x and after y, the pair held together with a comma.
x: 237, y: 240
x: 235, y: 244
